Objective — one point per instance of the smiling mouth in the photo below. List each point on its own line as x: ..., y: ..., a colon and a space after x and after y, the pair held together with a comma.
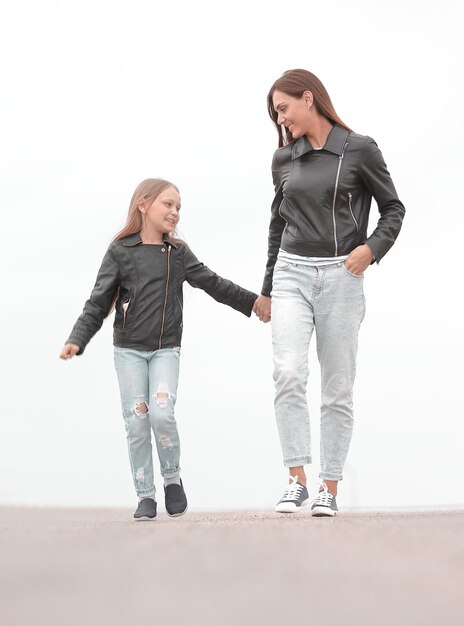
x: 169, y: 221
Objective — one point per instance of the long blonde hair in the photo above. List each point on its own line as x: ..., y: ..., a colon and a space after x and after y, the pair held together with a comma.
x: 149, y: 189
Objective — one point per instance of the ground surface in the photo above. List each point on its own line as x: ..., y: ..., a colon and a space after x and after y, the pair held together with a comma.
x: 88, y: 567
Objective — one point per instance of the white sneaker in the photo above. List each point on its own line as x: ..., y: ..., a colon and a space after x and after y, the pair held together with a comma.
x: 295, y: 496
x: 325, y: 504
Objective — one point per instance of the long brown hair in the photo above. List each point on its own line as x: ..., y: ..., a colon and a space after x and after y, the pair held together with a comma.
x: 149, y: 189
x: 295, y: 83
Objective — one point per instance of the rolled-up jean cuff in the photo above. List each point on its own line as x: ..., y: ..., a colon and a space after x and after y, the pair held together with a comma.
x: 336, y: 477
x: 170, y: 472
x: 297, y: 461
x: 147, y: 493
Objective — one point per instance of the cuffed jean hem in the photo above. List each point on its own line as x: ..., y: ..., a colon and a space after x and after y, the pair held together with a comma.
x: 169, y: 472
x: 146, y: 493
x: 297, y: 461
x: 325, y: 476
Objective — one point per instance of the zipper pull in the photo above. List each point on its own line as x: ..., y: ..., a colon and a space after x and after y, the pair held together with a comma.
x: 125, y: 306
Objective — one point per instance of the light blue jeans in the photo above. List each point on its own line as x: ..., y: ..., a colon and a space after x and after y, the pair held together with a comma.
x: 330, y: 300
x: 148, y: 384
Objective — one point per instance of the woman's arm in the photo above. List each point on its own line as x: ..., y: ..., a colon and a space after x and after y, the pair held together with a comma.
x: 276, y: 227
x: 377, y: 179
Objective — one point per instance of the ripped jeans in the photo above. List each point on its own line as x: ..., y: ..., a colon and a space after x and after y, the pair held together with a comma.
x: 148, y: 385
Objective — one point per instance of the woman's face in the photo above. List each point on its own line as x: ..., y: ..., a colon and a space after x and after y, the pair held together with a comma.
x: 163, y: 213
x: 293, y: 112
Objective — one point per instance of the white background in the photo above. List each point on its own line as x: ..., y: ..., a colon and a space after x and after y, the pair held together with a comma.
x: 99, y: 95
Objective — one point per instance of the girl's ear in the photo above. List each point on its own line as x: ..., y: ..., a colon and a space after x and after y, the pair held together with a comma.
x: 142, y: 206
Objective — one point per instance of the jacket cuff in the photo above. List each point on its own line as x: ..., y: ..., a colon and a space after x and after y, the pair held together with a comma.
x: 78, y: 342
x: 249, y: 308
x: 267, y: 287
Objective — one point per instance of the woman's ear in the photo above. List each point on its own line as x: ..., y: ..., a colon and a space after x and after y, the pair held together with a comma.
x: 308, y: 99
x: 142, y: 206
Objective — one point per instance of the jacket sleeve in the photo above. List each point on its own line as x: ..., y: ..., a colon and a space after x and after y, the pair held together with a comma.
x: 98, y: 305
x: 276, y: 227
x: 221, y: 289
x: 377, y: 179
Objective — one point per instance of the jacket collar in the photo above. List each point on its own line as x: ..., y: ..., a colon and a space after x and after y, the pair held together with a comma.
x: 335, y: 143
x: 133, y: 240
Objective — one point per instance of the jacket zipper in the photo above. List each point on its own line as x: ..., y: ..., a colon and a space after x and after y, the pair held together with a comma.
x: 181, y: 310
x: 125, y: 306
x: 350, y: 198
x: 165, y: 298
x: 340, y: 159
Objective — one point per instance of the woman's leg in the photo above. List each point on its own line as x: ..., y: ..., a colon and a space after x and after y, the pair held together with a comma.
x: 339, y: 312
x: 132, y: 370
x: 292, y: 327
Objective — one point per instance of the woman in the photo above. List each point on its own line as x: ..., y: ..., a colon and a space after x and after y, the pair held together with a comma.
x: 325, y: 176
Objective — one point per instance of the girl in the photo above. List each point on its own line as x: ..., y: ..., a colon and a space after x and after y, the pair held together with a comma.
x: 141, y: 276
x: 325, y: 176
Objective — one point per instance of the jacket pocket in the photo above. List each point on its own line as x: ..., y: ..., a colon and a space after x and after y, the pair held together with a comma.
x: 350, y: 205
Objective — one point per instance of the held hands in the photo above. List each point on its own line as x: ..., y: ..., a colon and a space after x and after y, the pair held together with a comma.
x: 359, y: 259
x: 262, y: 308
x: 69, y: 350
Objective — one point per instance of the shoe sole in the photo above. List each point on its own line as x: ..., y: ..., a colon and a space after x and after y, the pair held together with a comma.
x: 286, y: 508
x: 177, y: 514
x: 144, y: 518
x: 323, y: 511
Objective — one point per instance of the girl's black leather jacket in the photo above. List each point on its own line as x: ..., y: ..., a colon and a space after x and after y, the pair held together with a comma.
x: 146, y: 281
x: 323, y: 197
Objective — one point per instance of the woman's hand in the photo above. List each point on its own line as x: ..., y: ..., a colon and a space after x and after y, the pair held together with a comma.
x: 69, y: 350
x: 359, y: 259
x: 262, y: 308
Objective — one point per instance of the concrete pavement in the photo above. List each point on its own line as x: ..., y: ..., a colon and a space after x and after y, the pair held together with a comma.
x: 75, y: 567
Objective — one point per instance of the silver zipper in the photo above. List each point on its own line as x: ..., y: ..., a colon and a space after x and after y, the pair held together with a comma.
x: 181, y: 310
x: 340, y: 159
x: 165, y: 297
x: 350, y: 198
x: 125, y: 306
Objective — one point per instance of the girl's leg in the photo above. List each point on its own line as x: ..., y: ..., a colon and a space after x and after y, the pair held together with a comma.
x: 132, y: 370
x: 164, y: 377
x: 338, y: 315
x: 292, y: 327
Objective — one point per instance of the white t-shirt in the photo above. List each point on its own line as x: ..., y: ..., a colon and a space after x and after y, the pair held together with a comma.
x: 311, y: 261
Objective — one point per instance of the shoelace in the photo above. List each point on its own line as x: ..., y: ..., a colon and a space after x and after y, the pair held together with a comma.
x: 324, y: 498
x: 293, y: 491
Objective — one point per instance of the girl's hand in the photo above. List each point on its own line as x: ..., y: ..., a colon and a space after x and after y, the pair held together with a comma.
x: 69, y: 350
x: 359, y: 259
x: 262, y: 308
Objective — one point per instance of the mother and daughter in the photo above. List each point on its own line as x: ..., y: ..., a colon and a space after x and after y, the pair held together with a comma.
x: 325, y: 176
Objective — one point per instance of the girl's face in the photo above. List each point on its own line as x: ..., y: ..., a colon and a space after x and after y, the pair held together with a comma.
x: 162, y: 214
x: 293, y: 112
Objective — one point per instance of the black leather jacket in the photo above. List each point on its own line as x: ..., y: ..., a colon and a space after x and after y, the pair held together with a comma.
x: 323, y: 198
x: 146, y: 281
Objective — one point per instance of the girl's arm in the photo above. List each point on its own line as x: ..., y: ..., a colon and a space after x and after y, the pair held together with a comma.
x: 96, y: 308
x: 221, y: 289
